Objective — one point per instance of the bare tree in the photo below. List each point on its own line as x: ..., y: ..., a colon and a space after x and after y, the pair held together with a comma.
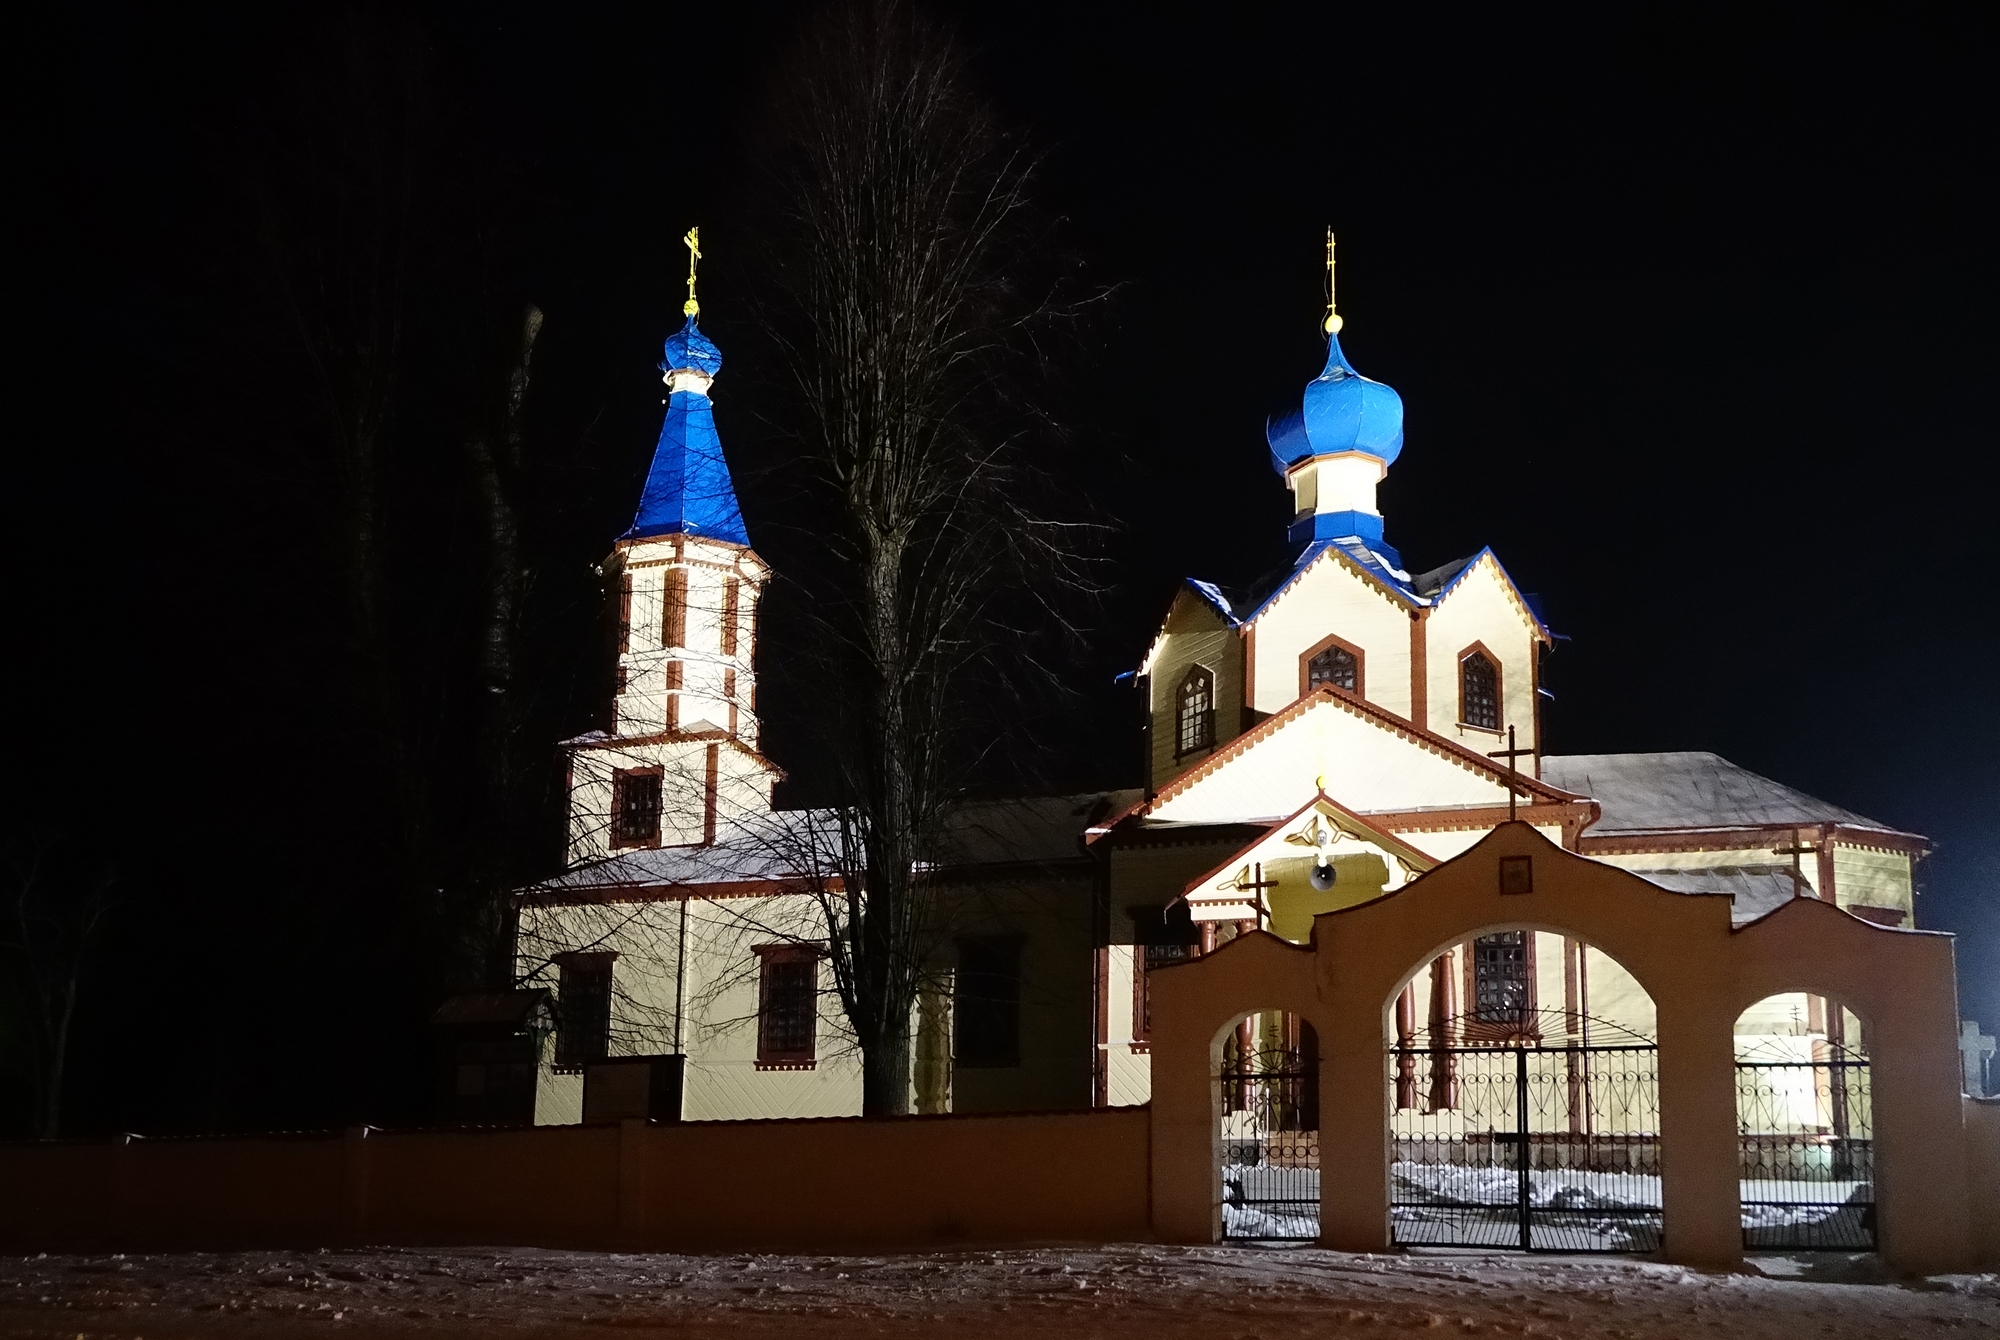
x: 58, y: 907
x: 905, y: 227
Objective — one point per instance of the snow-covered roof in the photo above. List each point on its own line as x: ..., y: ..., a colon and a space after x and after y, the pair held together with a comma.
x: 1754, y: 889
x: 789, y: 846
x: 1653, y: 793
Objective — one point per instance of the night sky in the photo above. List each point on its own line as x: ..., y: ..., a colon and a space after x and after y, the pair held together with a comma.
x: 1691, y: 313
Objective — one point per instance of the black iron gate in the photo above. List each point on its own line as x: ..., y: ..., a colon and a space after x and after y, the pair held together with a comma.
x: 1270, y: 1132
x: 1806, y: 1128
x: 1522, y: 1144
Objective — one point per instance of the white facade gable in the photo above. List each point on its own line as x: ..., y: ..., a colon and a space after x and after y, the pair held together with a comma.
x: 1365, y: 763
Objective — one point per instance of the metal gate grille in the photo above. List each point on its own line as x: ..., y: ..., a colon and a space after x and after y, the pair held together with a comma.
x: 1808, y: 1160
x: 1522, y: 1145
x: 1270, y: 1134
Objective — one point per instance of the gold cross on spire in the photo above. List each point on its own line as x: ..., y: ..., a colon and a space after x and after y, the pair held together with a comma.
x: 1333, y: 322
x: 693, y: 243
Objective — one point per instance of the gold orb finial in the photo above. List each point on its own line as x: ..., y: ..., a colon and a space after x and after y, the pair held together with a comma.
x: 692, y: 242
x: 1333, y: 323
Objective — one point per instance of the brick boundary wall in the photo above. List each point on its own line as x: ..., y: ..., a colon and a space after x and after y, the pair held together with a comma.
x: 1982, y: 1142
x: 808, y: 1185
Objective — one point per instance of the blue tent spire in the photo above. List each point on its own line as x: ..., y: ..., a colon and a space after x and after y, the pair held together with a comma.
x: 688, y: 490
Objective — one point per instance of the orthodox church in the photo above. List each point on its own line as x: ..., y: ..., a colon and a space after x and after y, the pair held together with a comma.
x: 1312, y: 746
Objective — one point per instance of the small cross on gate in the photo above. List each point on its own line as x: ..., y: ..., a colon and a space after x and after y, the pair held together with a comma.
x: 1514, y: 788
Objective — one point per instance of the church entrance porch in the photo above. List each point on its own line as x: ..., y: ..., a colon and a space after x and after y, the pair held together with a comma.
x: 1268, y: 1092
x: 1805, y: 1113
x: 1544, y: 1141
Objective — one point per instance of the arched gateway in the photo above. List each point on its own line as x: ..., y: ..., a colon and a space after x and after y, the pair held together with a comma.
x: 1698, y: 974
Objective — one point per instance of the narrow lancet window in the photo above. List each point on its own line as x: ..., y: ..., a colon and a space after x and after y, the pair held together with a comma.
x: 1196, y: 725
x: 1479, y: 692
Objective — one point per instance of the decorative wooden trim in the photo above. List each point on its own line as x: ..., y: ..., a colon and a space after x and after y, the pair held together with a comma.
x: 730, y: 601
x: 1499, y: 688
x: 621, y: 743
x: 1747, y: 838
x: 1381, y: 588
x: 1420, y: 670
x: 1360, y: 688
x: 1520, y: 602
x: 669, y: 893
x: 1574, y: 816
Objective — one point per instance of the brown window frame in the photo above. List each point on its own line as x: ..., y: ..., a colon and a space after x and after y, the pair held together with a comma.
x: 624, y: 776
x: 571, y: 1055
x: 1196, y: 672
x: 774, y: 959
x: 674, y: 608
x: 1360, y: 689
x: 1499, y: 726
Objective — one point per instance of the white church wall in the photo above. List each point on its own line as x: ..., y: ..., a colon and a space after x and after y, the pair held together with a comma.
x: 1367, y: 766
x: 1128, y: 1074
x: 1480, y: 610
x: 1332, y: 600
x: 717, y: 1010
x: 723, y: 1079
x: 1871, y: 878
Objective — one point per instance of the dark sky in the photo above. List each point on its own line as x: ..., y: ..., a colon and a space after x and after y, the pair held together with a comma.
x: 1690, y: 309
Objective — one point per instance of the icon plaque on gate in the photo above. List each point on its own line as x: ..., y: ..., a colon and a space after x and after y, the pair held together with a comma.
x: 1517, y: 874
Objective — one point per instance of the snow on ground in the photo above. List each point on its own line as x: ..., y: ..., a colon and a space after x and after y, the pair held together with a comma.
x: 1158, y: 1293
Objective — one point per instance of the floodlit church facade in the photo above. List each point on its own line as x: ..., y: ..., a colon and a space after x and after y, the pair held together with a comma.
x: 1311, y: 746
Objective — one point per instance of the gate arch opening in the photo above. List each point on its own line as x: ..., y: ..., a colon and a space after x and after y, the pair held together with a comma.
x: 1805, y: 1126
x: 1267, y: 1091
x: 1522, y: 1086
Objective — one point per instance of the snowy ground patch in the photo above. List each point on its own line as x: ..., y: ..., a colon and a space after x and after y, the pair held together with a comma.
x: 1139, y: 1291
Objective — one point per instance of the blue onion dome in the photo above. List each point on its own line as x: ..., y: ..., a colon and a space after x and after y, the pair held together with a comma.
x: 689, y: 348
x: 1341, y: 411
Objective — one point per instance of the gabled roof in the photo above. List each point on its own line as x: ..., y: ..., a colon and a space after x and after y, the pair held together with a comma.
x: 1420, y: 592
x: 1643, y: 794
x: 1335, y: 813
x: 792, y: 850
x: 1408, y: 734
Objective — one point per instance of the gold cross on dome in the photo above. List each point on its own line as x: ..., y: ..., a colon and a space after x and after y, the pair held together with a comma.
x: 1333, y: 322
x: 693, y: 243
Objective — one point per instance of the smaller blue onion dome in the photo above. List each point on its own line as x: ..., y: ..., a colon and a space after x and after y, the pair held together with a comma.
x: 689, y: 348
x: 1341, y: 411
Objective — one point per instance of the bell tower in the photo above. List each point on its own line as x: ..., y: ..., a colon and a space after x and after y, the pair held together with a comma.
x: 681, y: 755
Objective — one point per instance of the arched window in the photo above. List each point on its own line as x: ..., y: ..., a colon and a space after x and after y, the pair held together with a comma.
x: 1336, y: 666
x: 1479, y: 691
x: 1196, y: 720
